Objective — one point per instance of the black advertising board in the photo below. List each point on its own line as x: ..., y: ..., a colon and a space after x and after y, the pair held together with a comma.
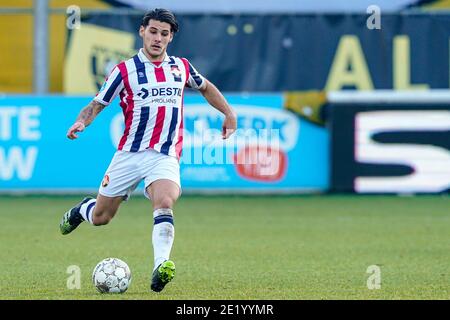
x: 390, y: 147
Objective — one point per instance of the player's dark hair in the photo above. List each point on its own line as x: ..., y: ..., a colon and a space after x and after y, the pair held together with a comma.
x: 162, y: 15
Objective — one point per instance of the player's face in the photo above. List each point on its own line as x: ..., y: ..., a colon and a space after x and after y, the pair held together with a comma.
x: 156, y: 36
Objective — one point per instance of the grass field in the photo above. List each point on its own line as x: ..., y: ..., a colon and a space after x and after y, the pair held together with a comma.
x: 287, y: 247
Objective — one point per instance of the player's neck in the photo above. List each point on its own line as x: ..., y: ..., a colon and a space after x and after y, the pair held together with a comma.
x: 151, y: 58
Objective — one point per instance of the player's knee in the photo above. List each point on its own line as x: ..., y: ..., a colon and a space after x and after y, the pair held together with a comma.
x: 102, y: 218
x: 164, y: 202
x: 100, y: 221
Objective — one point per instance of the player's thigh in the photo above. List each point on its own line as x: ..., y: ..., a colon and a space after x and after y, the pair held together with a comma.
x: 107, y: 206
x: 122, y: 176
x: 163, y: 193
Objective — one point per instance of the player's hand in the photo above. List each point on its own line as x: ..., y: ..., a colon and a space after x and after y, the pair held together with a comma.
x: 229, y: 126
x: 76, y: 127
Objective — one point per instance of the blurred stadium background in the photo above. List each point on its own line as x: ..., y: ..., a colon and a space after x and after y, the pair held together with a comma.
x: 343, y: 109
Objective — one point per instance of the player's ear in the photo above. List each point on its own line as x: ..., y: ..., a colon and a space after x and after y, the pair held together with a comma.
x: 141, y: 31
x: 171, y: 37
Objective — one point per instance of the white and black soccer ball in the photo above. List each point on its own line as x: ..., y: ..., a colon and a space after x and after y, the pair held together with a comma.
x: 111, y: 275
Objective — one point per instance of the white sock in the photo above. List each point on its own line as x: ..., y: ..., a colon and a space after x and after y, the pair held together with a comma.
x: 87, y: 210
x: 163, y: 235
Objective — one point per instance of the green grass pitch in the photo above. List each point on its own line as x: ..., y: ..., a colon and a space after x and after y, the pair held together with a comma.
x: 285, y: 247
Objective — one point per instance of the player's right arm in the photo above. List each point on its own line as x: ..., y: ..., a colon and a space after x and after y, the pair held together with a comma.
x: 85, y: 118
x: 110, y: 89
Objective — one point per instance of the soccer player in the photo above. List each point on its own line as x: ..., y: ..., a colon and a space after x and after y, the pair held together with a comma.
x: 150, y: 86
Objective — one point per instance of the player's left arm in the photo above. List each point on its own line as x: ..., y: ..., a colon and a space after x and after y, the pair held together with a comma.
x: 218, y: 101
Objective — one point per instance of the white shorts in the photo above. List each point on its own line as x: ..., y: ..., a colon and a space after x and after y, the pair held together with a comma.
x: 128, y: 169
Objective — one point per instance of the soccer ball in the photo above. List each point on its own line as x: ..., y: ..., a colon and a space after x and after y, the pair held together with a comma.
x: 111, y: 275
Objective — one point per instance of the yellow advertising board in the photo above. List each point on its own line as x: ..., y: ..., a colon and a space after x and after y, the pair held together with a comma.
x: 92, y: 53
x: 16, y: 43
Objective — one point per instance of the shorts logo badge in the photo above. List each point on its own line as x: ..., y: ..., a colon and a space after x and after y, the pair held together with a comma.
x: 105, y: 181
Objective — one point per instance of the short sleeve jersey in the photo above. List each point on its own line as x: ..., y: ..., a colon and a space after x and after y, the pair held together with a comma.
x: 151, y: 98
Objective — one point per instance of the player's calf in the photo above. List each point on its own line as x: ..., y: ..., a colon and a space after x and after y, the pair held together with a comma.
x: 105, y: 209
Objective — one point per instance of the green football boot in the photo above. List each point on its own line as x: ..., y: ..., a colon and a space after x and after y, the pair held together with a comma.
x: 162, y: 275
x: 72, y: 218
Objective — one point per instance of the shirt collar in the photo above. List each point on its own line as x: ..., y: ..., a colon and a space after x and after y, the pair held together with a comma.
x: 144, y: 58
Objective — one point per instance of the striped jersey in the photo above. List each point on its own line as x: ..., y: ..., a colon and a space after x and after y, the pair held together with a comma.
x: 151, y: 98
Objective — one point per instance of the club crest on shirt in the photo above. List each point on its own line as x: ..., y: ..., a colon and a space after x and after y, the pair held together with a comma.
x: 176, y: 72
x: 105, y: 181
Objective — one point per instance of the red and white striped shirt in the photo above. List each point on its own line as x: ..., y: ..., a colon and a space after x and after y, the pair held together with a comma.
x: 151, y: 97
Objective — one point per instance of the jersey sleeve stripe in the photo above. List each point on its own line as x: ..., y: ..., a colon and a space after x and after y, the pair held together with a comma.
x: 195, y: 76
x: 186, y: 66
x: 112, y: 88
x: 173, y: 124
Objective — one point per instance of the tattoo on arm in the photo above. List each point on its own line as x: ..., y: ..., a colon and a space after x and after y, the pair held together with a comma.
x: 88, y: 114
